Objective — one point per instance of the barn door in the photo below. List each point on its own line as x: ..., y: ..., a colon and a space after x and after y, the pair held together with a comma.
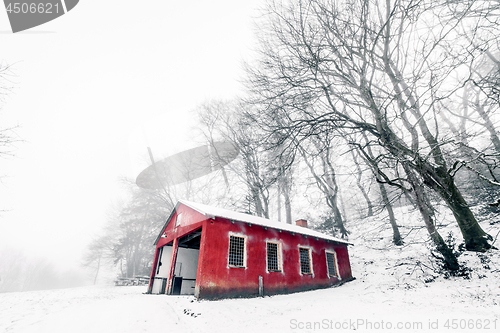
x: 186, y: 264
x: 162, y: 269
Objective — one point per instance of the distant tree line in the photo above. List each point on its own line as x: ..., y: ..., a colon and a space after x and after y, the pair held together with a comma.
x: 19, y: 272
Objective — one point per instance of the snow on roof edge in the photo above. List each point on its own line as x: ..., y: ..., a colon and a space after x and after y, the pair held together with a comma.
x: 242, y: 217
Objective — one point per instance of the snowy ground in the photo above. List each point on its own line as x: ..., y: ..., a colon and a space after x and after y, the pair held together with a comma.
x: 395, y: 290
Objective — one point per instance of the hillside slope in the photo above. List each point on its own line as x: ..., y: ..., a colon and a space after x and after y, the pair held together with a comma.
x: 396, y: 289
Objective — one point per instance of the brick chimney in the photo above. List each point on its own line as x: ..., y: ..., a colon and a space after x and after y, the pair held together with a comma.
x: 301, y: 223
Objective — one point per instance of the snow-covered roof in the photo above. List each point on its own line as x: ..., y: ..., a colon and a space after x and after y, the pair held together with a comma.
x: 242, y: 217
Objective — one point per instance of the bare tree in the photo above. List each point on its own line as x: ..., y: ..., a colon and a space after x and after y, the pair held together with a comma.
x: 221, y: 121
x: 473, y: 124
x: 8, y: 136
x: 376, y: 67
x: 473, y: 118
x: 317, y: 155
x: 396, y: 235
x: 361, y: 187
x: 368, y: 156
x: 99, y: 253
x: 130, y: 233
x: 284, y: 183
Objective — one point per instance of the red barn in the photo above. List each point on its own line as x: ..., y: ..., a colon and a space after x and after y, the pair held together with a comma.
x: 212, y: 252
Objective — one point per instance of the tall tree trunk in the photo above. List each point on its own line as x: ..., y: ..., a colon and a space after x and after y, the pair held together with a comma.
x: 480, y: 107
x: 97, y: 270
x: 278, y: 197
x: 488, y: 124
x: 255, y: 197
x: 337, y: 216
x: 435, y: 174
x: 449, y: 259
x: 285, y: 178
x: 360, y: 186
x: 442, y: 182
x: 409, y: 198
x: 265, y: 205
x: 370, y: 160
x: 327, y: 183
x: 333, y: 191
x: 396, y: 236
x: 288, y: 207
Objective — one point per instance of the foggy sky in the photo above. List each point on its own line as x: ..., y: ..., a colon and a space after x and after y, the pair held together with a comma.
x: 91, y: 90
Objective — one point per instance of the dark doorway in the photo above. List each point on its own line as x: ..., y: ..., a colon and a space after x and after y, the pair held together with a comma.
x: 176, y: 289
x: 186, y: 264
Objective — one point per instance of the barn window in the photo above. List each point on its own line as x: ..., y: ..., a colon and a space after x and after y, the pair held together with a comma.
x: 305, y: 260
x: 273, y: 257
x: 331, y: 263
x: 236, y: 251
x: 179, y: 220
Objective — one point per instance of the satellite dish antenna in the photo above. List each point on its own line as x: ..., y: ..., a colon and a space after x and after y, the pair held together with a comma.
x: 187, y: 165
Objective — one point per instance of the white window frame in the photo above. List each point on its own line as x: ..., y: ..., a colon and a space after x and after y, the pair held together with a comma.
x: 279, y: 254
x: 245, y: 238
x: 311, y: 269
x: 336, y: 263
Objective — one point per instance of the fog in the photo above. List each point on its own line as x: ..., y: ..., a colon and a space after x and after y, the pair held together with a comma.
x: 19, y: 272
x: 89, y: 92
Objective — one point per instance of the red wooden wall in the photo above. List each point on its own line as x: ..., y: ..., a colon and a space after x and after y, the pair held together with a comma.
x: 216, y: 279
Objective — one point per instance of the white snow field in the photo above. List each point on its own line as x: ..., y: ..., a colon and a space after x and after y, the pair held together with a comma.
x: 395, y: 291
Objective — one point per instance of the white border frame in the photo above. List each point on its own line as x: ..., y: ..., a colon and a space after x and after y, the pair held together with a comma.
x: 336, y: 262
x: 311, y: 266
x: 245, y: 237
x: 280, y: 255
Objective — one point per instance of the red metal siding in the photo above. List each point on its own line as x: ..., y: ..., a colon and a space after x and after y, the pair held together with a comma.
x: 216, y: 279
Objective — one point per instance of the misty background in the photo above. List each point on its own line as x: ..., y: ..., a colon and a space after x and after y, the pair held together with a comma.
x: 88, y: 92
x: 342, y: 112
